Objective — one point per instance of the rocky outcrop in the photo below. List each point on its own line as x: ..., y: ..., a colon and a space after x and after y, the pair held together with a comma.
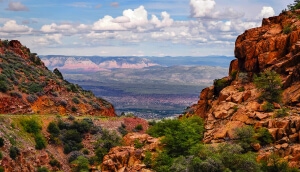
x: 129, y: 158
x: 27, y: 86
x: 273, y: 46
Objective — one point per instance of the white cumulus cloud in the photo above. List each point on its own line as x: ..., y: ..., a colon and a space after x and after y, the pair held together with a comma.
x: 107, y: 24
x: 266, y: 12
x: 201, y: 8
x: 11, y: 26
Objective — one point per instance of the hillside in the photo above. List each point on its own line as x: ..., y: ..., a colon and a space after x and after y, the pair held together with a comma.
x: 250, y: 118
x: 270, y: 53
x: 27, y: 86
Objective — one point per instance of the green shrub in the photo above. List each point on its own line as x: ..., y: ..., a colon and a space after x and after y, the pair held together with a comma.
x: 31, y: 98
x: 268, y: 107
x: 264, y: 136
x: 275, y: 164
x: 148, y: 159
x: 269, y: 83
x: 74, y: 109
x: 122, y: 129
x: 40, y: 142
x: 179, y: 138
x: 13, y: 152
x: 1, y: 142
x: 35, y: 88
x: 73, y: 135
x: 138, y: 144
x: 74, y: 155
x: 294, y: 6
x: 76, y: 100
x: 105, y: 143
x: 53, y: 129
x: 162, y: 162
x: 16, y: 94
x: 42, y: 169
x: 3, y: 87
x: 31, y: 125
x: 283, y: 112
x: 138, y: 127
x: 85, y: 151
x: 287, y: 29
x: 1, y: 169
x: 219, y: 84
x: 55, y: 163
x: 81, y: 164
x: 1, y: 155
x: 245, y: 137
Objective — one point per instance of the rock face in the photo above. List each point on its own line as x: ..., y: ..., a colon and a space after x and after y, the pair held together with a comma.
x: 273, y: 46
x: 27, y: 86
x: 129, y: 158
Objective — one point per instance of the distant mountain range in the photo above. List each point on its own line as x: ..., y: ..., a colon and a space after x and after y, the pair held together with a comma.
x: 147, y: 86
x: 74, y: 64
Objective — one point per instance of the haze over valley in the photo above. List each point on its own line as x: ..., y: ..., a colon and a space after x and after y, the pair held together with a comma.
x: 150, y: 87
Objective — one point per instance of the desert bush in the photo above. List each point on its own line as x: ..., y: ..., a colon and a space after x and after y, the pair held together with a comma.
x: 263, y: 136
x: 105, y: 143
x: 219, y: 84
x: 85, y: 151
x: 83, y: 126
x: 96, y: 106
x: 72, y: 135
x: 275, y: 164
x: 122, y: 129
x: 269, y: 83
x: 54, y: 163
x: 74, y: 109
x: 268, y: 107
x: 138, y: 127
x: 42, y: 169
x: 35, y: 88
x: 179, y: 135
x: 1, y: 142
x: 31, y: 98
x: 74, y: 155
x: 13, y: 152
x: 3, y: 86
x: 148, y: 159
x: 245, y: 137
x: 287, y: 29
x: 16, y: 94
x: 76, y: 100
x: 138, y: 144
x: 294, y: 6
x: 31, y: 125
x: 53, y: 129
x: 71, y: 118
x: 162, y: 162
x: 81, y: 164
x: 63, y: 103
x: 281, y: 113
x: 40, y: 142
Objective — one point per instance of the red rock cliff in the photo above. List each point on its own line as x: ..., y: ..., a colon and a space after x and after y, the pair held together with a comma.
x: 273, y: 46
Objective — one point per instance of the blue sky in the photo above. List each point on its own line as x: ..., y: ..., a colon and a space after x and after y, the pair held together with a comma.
x: 133, y: 27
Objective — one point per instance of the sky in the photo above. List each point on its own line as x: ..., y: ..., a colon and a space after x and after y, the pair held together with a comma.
x: 132, y: 27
